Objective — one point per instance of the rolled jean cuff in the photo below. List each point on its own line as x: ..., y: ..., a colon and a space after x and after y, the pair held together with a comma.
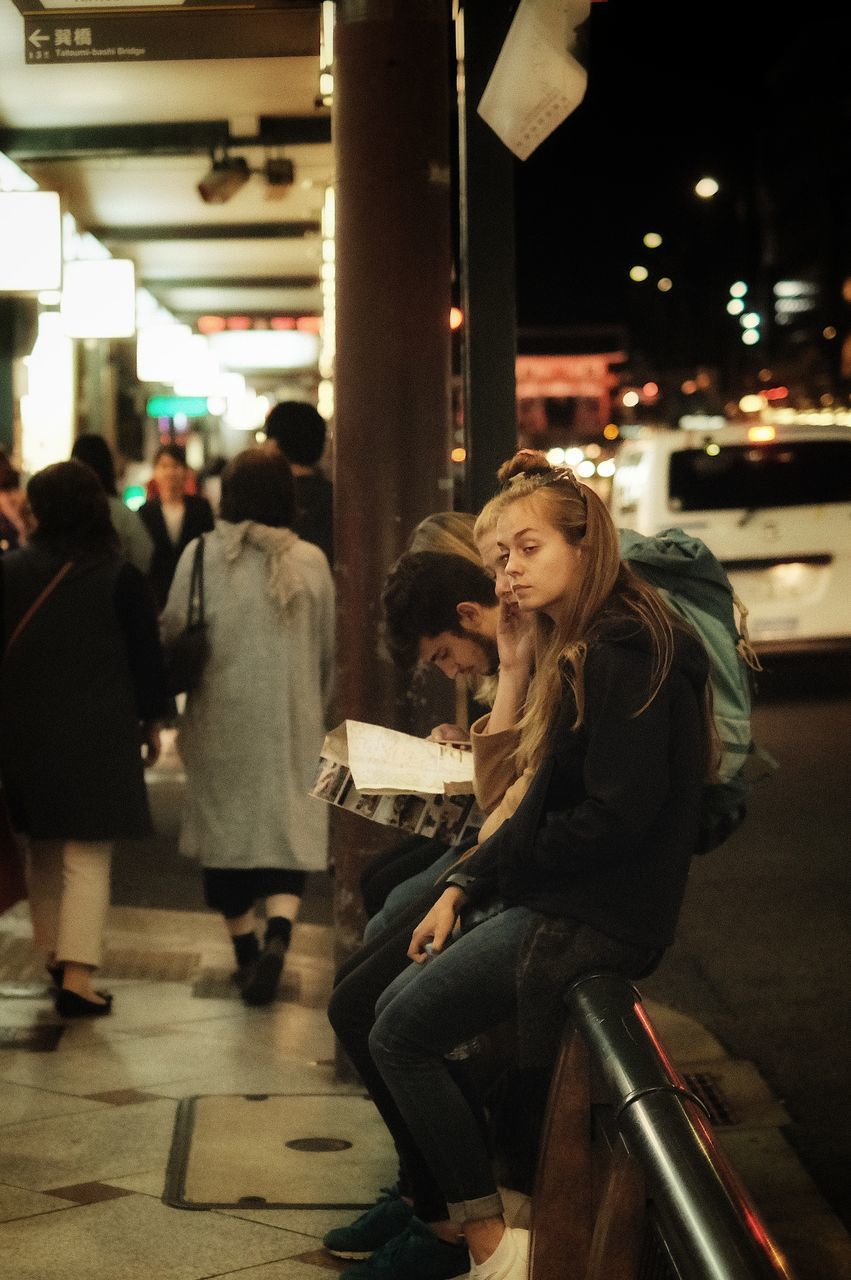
x: 473, y: 1210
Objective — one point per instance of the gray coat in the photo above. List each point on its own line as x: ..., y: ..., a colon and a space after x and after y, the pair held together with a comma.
x: 251, y: 734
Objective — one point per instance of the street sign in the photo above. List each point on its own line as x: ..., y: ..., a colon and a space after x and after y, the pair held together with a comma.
x: 168, y: 32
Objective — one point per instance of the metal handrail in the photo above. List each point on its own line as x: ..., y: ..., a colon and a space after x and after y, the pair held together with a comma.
x: 707, y: 1221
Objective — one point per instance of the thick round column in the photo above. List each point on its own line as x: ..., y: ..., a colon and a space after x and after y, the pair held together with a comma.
x: 392, y: 419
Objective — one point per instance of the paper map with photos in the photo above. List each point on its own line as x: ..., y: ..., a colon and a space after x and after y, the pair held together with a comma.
x: 400, y: 781
x: 385, y: 761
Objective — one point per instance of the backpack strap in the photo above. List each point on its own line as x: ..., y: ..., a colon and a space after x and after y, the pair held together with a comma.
x: 743, y: 647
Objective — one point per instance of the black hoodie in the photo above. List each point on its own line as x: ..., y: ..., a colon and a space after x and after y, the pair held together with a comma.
x: 608, y: 826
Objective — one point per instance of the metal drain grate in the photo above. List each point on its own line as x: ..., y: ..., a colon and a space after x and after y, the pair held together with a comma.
x: 217, y: 984
x: 708, y: 1089
x: 162, y: 966
x: 18, y: 963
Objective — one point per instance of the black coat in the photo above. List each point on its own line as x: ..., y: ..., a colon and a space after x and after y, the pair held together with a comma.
x: 74, y: 688
x: 607, y: 829
x: 197, y: 519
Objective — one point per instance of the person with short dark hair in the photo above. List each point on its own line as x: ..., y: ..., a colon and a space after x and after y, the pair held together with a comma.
x: 136, y: 542
x: 174, y: 518
x: 298, y: 430
x: 82, y: 682
x: 441, y: 610
x: 253, y: 730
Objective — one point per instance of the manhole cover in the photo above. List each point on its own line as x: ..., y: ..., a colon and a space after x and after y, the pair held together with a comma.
x: 318, y: 1144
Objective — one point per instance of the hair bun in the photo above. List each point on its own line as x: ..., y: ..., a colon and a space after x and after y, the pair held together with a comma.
x: 526, y: 462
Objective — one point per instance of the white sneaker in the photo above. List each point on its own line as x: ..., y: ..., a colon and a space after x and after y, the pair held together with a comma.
x: 509, y: 1261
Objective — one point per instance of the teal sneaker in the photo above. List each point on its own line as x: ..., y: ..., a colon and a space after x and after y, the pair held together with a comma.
x: 360, y: 1239
x: 415, y: 1254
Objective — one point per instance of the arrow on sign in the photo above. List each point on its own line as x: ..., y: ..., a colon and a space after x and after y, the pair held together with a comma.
x: 37, y: 37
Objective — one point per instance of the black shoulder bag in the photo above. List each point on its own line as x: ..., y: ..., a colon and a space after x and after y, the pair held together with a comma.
x: 187, y: 654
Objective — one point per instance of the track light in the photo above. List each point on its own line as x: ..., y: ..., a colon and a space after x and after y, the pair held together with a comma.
x: 280, y: 175
x: 227, y: 174
x: 224, y: 178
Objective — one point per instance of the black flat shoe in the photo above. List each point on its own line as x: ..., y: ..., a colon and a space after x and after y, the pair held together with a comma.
x: 70, y: 1005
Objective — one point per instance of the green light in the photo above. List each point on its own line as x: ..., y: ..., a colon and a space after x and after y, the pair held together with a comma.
x: 168, y: 406
x: 133, y: 496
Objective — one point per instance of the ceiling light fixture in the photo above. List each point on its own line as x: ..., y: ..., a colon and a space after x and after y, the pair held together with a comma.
x: 280, y: 175
x: 228, y: 174
x: 224, y: 178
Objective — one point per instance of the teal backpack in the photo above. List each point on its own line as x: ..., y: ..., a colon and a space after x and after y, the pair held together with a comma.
x: 694, y: 583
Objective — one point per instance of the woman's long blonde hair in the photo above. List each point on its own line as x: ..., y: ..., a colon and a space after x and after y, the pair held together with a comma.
x: 607, y: 590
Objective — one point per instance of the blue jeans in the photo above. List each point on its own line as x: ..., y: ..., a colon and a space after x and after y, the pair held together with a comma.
x: 407, y: 892
x: 425, y: 1013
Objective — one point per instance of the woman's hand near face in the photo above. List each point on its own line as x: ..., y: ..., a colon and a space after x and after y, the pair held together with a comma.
x: 515, y: 638
x: 437, y: 926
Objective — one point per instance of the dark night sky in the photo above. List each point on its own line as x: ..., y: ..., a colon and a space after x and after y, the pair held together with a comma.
x: 675, y: 91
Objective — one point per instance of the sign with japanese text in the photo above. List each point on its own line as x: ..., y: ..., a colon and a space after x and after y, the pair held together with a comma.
x: 61, y: 31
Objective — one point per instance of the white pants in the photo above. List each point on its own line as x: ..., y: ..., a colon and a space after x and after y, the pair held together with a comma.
x: 68, y: 884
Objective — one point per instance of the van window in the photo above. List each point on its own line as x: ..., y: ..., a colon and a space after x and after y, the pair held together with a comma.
x: 783, y: 474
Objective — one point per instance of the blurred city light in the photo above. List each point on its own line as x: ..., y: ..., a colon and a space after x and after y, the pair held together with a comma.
x: 456, y: 317
x: 664, y: 284
x: 586, y: 469
x: 606, y: 468
x: 630, y: 399
x: 735, y: 306
x: 706, y: 188
x: 750, y: 320
x: 638, y: 272
x: 555, y: 457
x: 739, y: 289
x: 611, y: 431
x: 750, y: 337
x: 458, y: 454
x: 751, y: 404
x: 652, y: 240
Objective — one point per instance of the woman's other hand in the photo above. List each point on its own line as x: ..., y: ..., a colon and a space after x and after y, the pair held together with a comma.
x: 449, y: 733
x: 437, y: 925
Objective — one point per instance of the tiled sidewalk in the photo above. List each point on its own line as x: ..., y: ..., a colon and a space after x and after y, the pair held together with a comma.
x: 86, y: 1128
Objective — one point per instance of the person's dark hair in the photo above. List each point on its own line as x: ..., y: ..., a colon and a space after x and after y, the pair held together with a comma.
x: 298, y: 430
x: 175, y: 451
x: 96, y: 453
x: 258, y: 485
x: 420, y: 598
x: 71, y: 511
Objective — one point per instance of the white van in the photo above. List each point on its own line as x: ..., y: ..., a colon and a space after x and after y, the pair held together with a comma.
x: 772, y: 502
